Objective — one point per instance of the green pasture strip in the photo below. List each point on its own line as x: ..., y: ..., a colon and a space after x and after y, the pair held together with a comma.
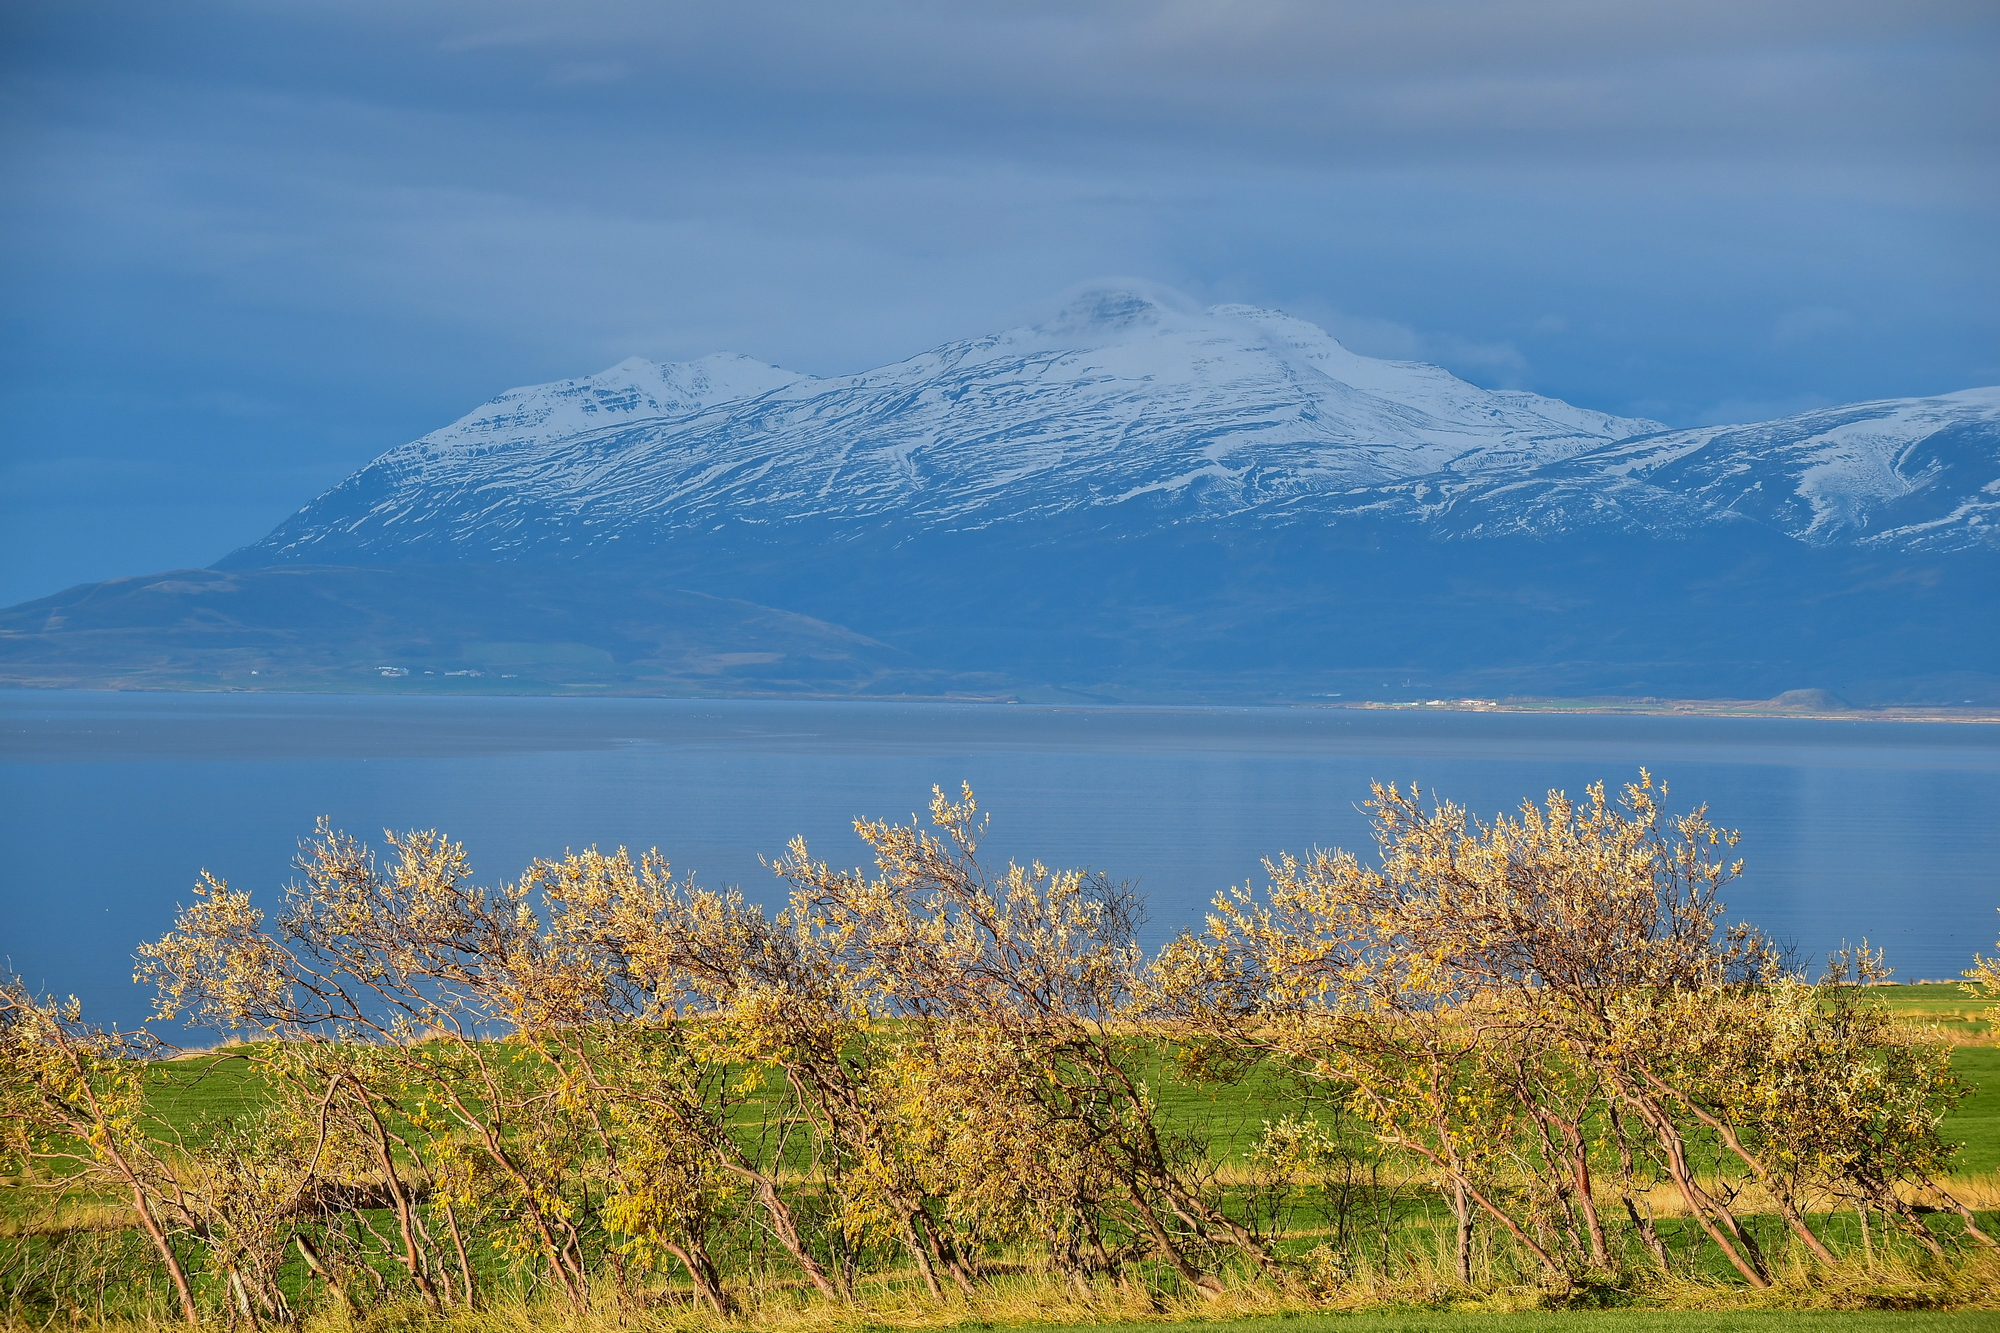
x: 1594, y: 1321
x: 218, y: 1085
x: 1946, y: 1005
x: 1975, y: 1122
x: 209, y: 1085
x: 1232, y: 1115
x: 197, y: 1093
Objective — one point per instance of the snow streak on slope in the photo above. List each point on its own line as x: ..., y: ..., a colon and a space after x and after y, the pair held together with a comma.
x: 1906, y: 473
x: 1117, y: 399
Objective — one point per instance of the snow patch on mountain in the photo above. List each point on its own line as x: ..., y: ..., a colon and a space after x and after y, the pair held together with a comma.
x: 633, y: 390
x: 1904, y: 473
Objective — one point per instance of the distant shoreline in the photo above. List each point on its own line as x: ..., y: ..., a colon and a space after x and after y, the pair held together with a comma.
x: 1582, y: 706
x: 1654, y: 707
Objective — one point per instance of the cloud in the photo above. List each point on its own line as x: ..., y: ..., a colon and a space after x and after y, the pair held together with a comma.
x: 363, y: 216
x: 1499, y: 364
x: 1515, y: 80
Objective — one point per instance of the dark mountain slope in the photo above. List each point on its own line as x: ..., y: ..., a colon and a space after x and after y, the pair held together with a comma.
x: 461, y: 627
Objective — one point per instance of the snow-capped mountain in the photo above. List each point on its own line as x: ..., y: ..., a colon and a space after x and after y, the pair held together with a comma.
x: 1125, y: 412
x: 1129, y: 501
x: 1119, y: 398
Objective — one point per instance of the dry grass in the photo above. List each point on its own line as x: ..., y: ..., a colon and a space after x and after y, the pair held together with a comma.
x: 67, y: 1216
x: 1893, y: 1282
x: 1979, y: 1191
x: 1421, y: 1282
x: 1027, y: 1301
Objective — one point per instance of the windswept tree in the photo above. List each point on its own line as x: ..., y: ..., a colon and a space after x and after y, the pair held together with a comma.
x: 73, y: 1118
x: 752, y: 991
x: 1031, y: 972
x: 1982, y: 981
x: 383, y: 989
x: 1815, y: 1090
x: 646, y: 1038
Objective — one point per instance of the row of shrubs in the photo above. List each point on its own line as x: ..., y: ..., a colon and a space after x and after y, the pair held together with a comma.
x: 604, y: 1078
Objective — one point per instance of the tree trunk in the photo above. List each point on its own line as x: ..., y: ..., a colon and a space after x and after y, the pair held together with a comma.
x: 1779, y: 1194
x: 320, y: 1269
x: 1461, y: 1208
x: 1706, y: 1210
x: 464, y: 1265
x: 1964, y: 1214
x: 920, y: 1255
x: 695, y: 1258
x: 1600, y: 1252
x: 1643, y: 1224
x: 1641, y: 1221
x: 244, y: 1306
x: 1207, y: 1286
x: 1893, y: 1206
x: 573, y: 1285
x: 1459, y: 1181
x: 944, y: 1254
x: 166, y: 1250
x: 399, y: 1198
x: 785, y: 1226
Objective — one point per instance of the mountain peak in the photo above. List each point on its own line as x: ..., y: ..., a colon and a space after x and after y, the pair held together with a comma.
x: 633, y: 390
x: 632, y: 367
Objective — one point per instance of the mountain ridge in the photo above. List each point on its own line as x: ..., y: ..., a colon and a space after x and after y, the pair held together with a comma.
x: 1845, y: 467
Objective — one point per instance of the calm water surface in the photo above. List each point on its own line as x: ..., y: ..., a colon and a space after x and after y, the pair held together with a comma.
x: 111, y: 803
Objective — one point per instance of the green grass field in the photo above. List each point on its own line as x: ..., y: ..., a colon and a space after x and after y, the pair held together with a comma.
x: 1233, y: 1115
x: 1960, y: 1015
x: 1975, y: 1123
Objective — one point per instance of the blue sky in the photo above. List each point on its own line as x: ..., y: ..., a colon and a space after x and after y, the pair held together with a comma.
x: 248, y: 246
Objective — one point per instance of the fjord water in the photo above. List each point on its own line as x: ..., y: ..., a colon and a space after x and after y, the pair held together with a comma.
x: 111, y: 803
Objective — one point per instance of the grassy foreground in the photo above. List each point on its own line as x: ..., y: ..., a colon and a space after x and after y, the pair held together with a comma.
x: 211, y: 1087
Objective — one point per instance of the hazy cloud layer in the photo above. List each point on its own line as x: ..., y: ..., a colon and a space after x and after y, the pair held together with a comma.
x: 251, y: 245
